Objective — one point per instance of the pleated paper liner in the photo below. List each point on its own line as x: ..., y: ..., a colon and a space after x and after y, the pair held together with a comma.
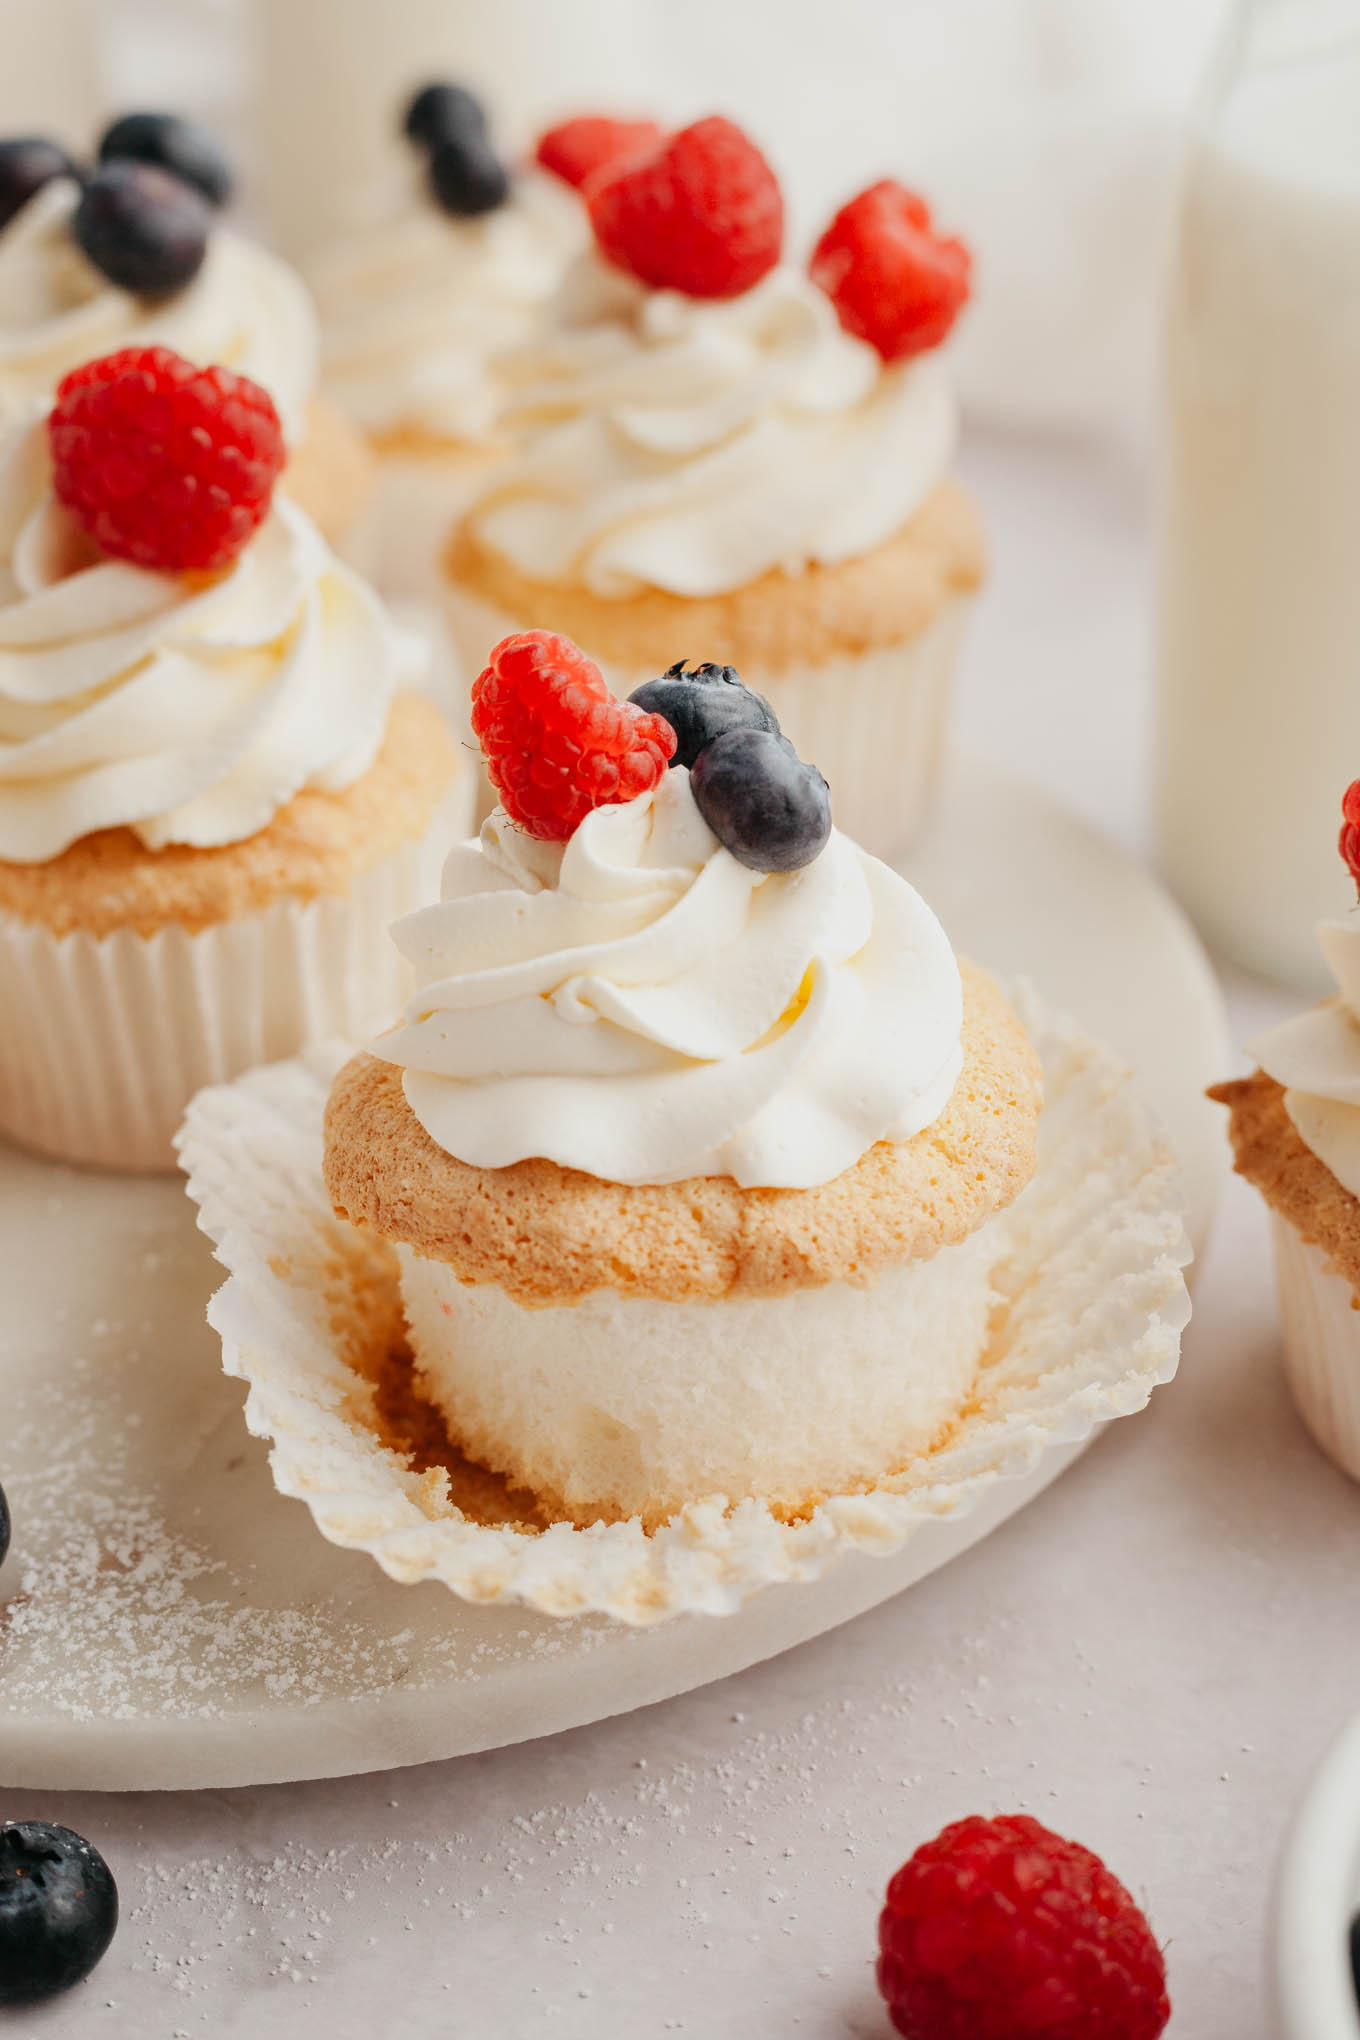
x: 1092, y: 1303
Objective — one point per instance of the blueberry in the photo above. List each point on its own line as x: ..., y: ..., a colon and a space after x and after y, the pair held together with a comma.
x: 146, y: 230
x: 4, y: 1526
x: 58, y: 1909
x: 468, y: 177
x: 761, y: 801
x: 703, y: 704
x: 187, y: 151
x: 27, y: 162
x: 441, y: 111
x: 1355, y: 1956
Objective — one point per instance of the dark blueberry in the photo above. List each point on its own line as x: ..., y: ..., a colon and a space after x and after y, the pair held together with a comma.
x: 4, y: 1526
x: 27, y: 162
x: 468, y: 177
x: 179, y: 146
x: 761, y: 801
x: 1355, y: 1956
x: 146, y: 230
x: 441, y: 112
x: 58, y: 1909
x: 703, y: 704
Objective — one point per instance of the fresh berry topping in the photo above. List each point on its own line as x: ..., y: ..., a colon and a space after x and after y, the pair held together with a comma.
x: 162, y: 463
x: 557, y: 743
x: 58, y: 1909
x: 467, y: 177
x: 703, y: 704
x: 440, y: 111
x: 27, y: 162
x: 4, y: 1526
x: 575, y: 149
x: 894, y: 281
x: 1000, y: 1930
x: 187, y: 151
x: 761, y: 801
x: 146, y: 230
x: 1349, y: 845
x: 701, y: 213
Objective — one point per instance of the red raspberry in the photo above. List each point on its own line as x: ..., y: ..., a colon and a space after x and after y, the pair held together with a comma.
x: 557, y: 743
x: 702, y: 213
x: 893, y: 280
x: 1349, y: 845
x: 576, y: 148
x: 162, y: 463
x: 1000, y: 1930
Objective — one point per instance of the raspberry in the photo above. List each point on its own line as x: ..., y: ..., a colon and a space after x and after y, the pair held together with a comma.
x: 894, y: 281
x: 576, y: 148
x: 702, y: 213
x: 557, y: 743
x: 1349, y: 845
x: 161, y: 463
x: 1000, y: 1930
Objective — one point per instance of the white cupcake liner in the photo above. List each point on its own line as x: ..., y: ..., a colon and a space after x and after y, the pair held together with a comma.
x: 1320, y: 1321
x: 1093, y: 1303
x: 873, y: 723
x: 107, y: 1038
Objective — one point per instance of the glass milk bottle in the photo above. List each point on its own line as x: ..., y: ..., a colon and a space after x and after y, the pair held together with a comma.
x: 1259, y: 656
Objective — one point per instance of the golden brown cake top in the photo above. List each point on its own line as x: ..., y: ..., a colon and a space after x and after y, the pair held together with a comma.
x: 885, y: 597
x: 314, y: 846
x: 549, y: 1235
x: 1270, y: 1152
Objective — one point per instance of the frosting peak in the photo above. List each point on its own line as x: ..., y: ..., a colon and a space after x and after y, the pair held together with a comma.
x: 416, y: 307
x: 692, y: 445
x: 189, y: 708
x: 1316, y: 1056
x: 245, y: 310
x: 637, y: 1005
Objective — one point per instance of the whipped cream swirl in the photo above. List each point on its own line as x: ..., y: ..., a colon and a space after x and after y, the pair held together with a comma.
x: 638, y: 1005
x: 245, y: 310
x: 1316, y: 1056
x: 416, y: 307
x: 187, y: 708
x: 692, y: 445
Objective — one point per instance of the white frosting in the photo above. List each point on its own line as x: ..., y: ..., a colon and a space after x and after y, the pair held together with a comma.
x: 640, y: 1006
x: 1316, y: 1056
x: 417, y: 306
x: 694, y: 445
x: 186, y: 708
x: 245, y: 310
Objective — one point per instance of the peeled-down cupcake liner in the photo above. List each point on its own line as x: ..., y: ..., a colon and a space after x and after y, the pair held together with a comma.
x: 1092, y: 1305
x: 107, y: 1038
x: 1320, y: 1322
x: 873, y: 722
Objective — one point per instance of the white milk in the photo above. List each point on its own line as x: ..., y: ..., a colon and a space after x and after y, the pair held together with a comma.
x: 1260, y: 631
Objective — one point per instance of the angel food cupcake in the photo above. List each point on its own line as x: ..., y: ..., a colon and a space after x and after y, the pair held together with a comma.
x: 1295, y: 1129
x: 214, y: 791
x: 132, y: 255
x: 419, y: 301
x: 692, y: 1134
x: 721, y: 451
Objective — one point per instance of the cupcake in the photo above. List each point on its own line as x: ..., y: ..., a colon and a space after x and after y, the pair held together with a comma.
x: 133, y: 255
x: 215, y: 783
x: 1295, y: 1131
x: 695, y: 1129
x: 451, y: 268
x: 717, y: 449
